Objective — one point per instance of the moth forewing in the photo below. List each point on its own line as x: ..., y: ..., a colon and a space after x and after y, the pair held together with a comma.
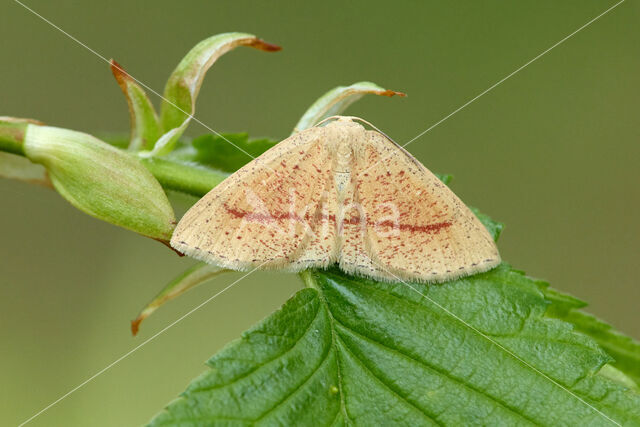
x: 436, y: 237
x: 248, y: 220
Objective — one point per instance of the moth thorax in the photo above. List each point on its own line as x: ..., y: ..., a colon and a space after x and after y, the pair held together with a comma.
x: 343, y: 156
x: 342, y: 181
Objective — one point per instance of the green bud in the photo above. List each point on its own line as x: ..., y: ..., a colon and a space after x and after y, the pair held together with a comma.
x: 101, y: 180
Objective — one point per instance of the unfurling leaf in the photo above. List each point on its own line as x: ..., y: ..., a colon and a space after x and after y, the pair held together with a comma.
x: 145, y: 127
x: 101, y: 180
x: 184, y: 84
x: 191, y: 278
x: 337, y: 100
x: 350, y: 351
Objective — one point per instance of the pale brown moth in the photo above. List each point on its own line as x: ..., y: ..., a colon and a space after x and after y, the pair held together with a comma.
x: 338, y: 194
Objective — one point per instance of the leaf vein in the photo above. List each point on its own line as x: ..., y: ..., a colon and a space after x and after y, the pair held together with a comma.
x: 269, y: 361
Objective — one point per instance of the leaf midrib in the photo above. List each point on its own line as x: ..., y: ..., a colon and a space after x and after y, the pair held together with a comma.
x: 313, y: 372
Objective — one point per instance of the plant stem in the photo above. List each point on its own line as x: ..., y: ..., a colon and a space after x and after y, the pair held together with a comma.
x: 186, y: 178
x: 12, y: 136
x: 307, y: 279
x: 173, y: 175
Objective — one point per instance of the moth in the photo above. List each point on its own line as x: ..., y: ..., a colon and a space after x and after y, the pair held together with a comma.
x: 338, y: 194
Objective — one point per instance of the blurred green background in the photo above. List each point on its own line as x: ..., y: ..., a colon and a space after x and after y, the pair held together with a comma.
x: 552, y: 152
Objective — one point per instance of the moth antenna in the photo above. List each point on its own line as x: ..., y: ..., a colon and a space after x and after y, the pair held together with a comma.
x: 326, y: 120
x: 371, y: 125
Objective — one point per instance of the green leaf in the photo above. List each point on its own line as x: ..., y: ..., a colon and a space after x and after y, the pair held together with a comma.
x: 183, y: 86
x: 446, y: 178
x: 625, y: 350
x: 494, y: 227
x: 337, y: 100
x: 228, y: 152
x: 350, y: 351
x: 618, y: 376
x: 145, y: 127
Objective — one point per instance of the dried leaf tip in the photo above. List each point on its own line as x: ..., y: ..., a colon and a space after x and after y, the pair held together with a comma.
x: 135, y: 325
x: 391, y: 93
x: 119, y: 73
x: 263, y: 45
